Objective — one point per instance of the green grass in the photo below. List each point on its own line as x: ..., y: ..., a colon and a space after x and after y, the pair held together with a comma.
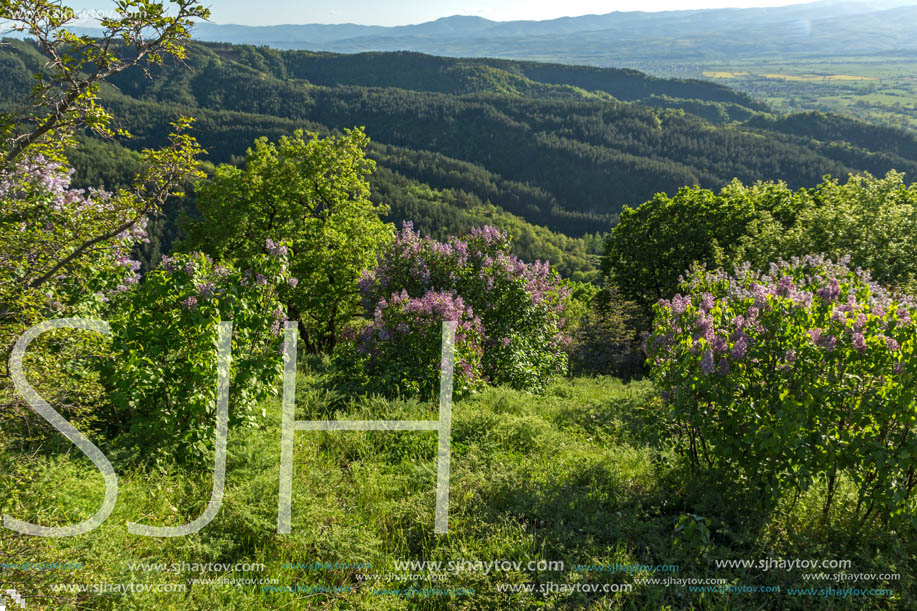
x: 579, y: 475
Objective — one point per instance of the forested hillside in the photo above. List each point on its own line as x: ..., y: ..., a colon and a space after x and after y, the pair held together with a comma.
x: 457, y: 141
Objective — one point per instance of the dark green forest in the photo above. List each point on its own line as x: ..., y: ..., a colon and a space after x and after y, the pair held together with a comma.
x: 552, y: 152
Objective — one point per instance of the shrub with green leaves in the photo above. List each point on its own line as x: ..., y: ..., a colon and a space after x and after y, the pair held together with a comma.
x: 163, y: 373
x: 404, y: 343
x: 63, y: 252
x: 516, y: 308
x: 806, y: 373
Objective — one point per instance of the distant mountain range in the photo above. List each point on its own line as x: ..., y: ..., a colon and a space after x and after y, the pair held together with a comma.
x: 618, y: 38
x: 650, y: 41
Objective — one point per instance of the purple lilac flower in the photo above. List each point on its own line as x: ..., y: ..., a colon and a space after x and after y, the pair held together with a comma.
x: 760, y: 294
x: 189, y: 303
x: 706, y: 302
x: 719, y: 344
x: 275, y: 249
x: 859, y: 342
x: 815, y: 334
x: 802, y: 299
x: 740, y: 347
x: 831, y: 292
x: 786, y: 287
x: 680, y: 304
x: 706, y: 363
x: 206, y: 290
x: 703, y: 326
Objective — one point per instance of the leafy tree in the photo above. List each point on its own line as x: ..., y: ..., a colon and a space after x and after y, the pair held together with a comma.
x: 605, y: 338
x: 65, y: 97
x: 654, y: 244
x: 315, y: 192
x: 64, y: 251
x: 872, y: 220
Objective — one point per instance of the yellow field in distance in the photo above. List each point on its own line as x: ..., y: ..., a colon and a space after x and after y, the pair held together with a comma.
x: 819, y: 77
x: 717, y: 74
x: 790, y: 77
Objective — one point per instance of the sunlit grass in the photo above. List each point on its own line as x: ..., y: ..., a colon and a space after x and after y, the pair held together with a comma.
x: 579, y: 474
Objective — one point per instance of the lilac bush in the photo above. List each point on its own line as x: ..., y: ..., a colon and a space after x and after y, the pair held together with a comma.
x: 44, y: 221
x: 47, y: 271
x: 511, y: 312
x: 406, y: 337
x: 804, y: 373
x: 162, y: 374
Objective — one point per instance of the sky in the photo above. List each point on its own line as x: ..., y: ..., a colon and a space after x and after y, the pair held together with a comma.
x: 403, y: 12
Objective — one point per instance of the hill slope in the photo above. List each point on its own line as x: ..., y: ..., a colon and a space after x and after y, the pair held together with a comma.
x: 555, y: 146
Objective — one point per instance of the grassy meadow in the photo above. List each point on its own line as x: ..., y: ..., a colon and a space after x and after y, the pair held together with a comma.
x: 576, y: 475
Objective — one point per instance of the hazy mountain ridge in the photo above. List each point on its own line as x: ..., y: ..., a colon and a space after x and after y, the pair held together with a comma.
x: 816, y: 27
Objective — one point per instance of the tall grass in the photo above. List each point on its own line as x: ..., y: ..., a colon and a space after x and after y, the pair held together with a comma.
x: 577, y: 475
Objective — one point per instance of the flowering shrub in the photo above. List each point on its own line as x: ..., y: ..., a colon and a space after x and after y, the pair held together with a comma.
x: 406, y: 338
x: 43, y: 221
x: 511, y: 312
x: 804, y: 373
x: 163, y: 374
x: 43, y: 225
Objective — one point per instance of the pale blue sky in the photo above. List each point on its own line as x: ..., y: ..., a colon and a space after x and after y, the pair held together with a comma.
x: 402, y: 12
